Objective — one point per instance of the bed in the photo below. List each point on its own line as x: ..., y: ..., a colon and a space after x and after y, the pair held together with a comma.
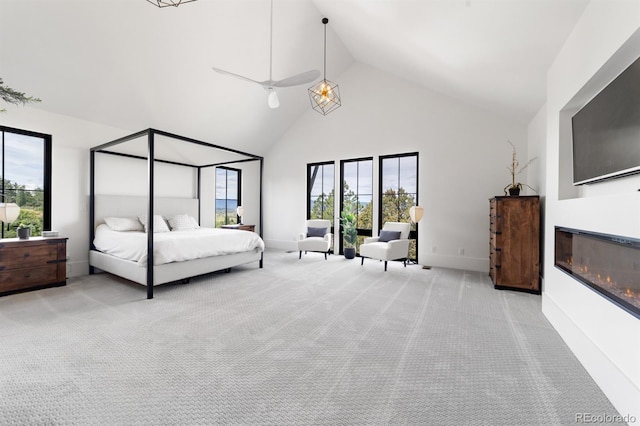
x: 154, y: 258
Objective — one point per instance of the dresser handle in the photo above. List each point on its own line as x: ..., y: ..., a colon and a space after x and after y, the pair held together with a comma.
x: 27, y: 255
x: 27, y: 275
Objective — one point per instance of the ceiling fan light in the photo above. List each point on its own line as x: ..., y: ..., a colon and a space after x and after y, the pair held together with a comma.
x: 273, y: 100
x: 325, y: 96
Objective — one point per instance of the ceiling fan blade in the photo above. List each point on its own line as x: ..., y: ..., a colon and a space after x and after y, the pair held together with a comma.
x: 302, y: 78
x: 218, y: 70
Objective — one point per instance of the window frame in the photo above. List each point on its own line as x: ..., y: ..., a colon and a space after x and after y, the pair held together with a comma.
x: 239, y: 192
x: 413, y: 234
x: 362, y: 232
x: 309, y: 186
x: 46, y: 172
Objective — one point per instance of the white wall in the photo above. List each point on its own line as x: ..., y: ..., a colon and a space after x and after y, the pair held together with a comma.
x: 463, y: 161
x: 536, y: 172
x: 605, y: 338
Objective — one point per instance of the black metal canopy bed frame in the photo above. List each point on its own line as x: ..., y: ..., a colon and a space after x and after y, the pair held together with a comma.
x: 101, y: 206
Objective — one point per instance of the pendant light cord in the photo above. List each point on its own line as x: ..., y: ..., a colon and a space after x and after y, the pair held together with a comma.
x: 325, y: 21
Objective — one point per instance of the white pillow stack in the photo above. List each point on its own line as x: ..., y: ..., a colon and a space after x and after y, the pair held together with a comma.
x: 159, y: 225
x: 123, y: 223
x: 182, y: 222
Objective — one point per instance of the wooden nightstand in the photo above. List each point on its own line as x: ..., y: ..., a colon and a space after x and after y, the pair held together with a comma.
x: 242, y: 227
x: 32, y: 264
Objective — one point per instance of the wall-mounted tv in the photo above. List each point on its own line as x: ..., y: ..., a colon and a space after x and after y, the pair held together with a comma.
x: 606, y: 131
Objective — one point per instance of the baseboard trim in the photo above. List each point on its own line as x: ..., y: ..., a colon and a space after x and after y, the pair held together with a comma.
x: 465, y: 263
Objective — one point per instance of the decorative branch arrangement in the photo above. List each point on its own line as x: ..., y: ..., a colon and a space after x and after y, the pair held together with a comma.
x: 12, y: 96
x: 515, y: 169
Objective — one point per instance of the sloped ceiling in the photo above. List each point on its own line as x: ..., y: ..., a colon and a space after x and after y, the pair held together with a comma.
x: 128, y: 64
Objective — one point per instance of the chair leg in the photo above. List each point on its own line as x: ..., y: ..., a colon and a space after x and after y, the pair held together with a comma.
x: 300, y: 255
x: 325, y: 255
x: 362, y: 261
x: 385, y: 266
x: 405, y: 263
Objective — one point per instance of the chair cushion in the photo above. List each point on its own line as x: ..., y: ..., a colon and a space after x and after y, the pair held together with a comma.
x: 314, y: 244
x: 386, y: 236
x: 316, y: 232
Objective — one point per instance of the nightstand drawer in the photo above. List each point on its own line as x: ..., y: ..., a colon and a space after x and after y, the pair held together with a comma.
x: 22, y: 278
x: 20, y: 257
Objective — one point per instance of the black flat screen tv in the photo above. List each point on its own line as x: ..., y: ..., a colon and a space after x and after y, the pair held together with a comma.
x: 606, y: 131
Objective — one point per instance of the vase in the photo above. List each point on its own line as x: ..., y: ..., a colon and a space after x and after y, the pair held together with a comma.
x: 24, y: 233
x: 349, y: 252
x: 514, y: 192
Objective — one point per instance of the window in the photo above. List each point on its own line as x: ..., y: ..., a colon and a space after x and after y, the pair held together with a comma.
x: 320, y: 191
x: 25, y: 168
x: 227, y: 195
x: 357, y: 194
x: 399, y: 192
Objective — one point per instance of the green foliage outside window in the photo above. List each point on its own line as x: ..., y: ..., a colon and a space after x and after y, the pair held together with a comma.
x: 395, y: 208
x: 31, y: 204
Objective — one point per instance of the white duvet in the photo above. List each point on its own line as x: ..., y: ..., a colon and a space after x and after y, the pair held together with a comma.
x: 175, y: 246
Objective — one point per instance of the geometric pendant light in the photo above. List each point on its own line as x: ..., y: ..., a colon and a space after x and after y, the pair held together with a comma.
x: 325, y: 95
x: 165, y: 3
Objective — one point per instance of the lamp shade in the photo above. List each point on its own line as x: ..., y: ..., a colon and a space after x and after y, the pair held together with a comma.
x: 416, y: 213
x: 9, y: 212
x: 240, y: 211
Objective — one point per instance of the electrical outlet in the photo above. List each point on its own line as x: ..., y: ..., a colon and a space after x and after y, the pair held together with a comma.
x: 461, y: 251
x: 433, y: 249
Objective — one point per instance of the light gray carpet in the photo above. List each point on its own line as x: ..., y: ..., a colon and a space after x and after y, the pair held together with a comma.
x: 299, y: 342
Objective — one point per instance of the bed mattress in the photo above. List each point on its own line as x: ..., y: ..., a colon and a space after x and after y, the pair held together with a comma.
x: 176, y: 246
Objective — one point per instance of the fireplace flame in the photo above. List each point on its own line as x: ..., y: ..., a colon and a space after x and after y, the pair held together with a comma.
x: 606, y: 283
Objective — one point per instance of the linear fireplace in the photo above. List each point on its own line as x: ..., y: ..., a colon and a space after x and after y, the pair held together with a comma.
x: 608, y: 264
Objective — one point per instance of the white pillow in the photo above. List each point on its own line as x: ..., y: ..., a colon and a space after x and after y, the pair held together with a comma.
x: 123, y: 223
x: 194, y: 222
x: 182, y: 222
x: 159, y: 225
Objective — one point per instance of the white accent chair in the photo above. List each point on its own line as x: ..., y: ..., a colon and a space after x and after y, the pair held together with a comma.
x: 311, y: 240
x: 383, y: 248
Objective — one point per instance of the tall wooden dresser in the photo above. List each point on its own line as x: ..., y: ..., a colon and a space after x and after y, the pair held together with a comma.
x: 514, y: 248
x: 32, y: 264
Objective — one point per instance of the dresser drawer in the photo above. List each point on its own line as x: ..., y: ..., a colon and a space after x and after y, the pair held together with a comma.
x: 22, y: 278
x: 32, y: 264
x: 20, y: 257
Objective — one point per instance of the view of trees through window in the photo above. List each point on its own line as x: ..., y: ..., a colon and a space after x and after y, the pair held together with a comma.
x: 357, y: 194
x: 24, y: 169
x: 321, y: 191
x: 227, y: 195
x: 399, y: 192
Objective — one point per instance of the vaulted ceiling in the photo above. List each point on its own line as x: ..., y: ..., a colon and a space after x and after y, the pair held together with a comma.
x: 131, y: 65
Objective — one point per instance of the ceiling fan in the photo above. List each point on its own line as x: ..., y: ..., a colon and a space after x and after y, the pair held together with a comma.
x: 271, y: 84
